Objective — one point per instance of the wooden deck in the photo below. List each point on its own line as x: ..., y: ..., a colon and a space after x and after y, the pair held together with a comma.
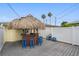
x: 49, y: 48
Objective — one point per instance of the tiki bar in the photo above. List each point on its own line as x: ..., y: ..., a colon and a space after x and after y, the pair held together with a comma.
x: 30, y: 27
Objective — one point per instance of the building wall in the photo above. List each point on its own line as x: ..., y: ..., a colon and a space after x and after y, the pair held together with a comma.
x: 45, y: 32
x: 12, y: 35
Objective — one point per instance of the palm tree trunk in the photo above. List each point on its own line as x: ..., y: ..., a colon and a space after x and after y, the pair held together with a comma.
x: 55, y: 21
x: 50, y: 25
x: 43, y: 21
x: 42, y: 32
x: 46, y: 21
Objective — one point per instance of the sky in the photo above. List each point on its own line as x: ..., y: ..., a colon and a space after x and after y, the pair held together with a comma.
x: 62, y: 11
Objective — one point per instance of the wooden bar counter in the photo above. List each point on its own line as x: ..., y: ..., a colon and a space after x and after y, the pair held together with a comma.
x: 28, y: 37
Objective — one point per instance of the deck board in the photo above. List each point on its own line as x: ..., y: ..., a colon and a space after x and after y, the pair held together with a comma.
x: 76, y: 51
x: 48, y: 48
x: 73, y: 51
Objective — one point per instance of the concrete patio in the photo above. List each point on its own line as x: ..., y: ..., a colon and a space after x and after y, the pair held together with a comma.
x: 48, y: 48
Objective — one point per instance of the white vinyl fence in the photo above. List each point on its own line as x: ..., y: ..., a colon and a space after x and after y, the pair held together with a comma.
x: 1, y: 38
x: 64, y: 34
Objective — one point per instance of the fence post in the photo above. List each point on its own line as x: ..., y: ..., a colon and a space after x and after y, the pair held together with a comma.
x: 1, y: 38
x: 73, y: 35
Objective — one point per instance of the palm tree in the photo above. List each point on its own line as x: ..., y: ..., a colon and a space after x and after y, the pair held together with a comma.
x: 49, y: 15
x: 43, y: 17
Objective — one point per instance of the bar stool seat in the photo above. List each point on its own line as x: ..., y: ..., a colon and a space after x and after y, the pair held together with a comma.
x: 24, y: 43
x: 40, y: 40
x: 32, y: 42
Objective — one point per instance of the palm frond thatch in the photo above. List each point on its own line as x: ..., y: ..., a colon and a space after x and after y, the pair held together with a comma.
x: 28, y: 22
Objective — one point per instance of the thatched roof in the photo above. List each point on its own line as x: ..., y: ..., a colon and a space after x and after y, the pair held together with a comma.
x: 27, y: 22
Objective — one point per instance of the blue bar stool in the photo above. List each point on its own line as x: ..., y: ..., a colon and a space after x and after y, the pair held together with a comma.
x: 40, y: 40
x: 24, y: 43
x: 32, y: 42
